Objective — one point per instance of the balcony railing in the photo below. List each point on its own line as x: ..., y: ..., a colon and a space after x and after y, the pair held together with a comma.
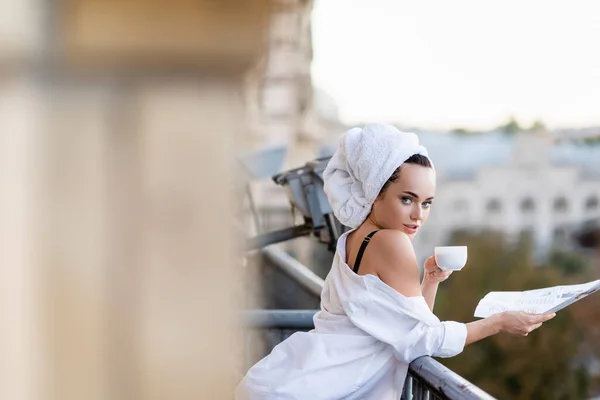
x: 427, y: 379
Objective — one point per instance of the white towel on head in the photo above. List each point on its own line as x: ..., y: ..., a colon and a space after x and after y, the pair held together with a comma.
x: 364, y: 160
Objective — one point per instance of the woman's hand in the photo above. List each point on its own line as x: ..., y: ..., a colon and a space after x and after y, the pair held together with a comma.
x: 520, y: 323
x: 515, y: 322
x: 433, y: 273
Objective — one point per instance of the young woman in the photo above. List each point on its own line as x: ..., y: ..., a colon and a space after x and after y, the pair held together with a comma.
x: 376, y: 316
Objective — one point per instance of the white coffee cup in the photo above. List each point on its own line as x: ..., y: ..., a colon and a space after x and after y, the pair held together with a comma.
x: 450, y: 258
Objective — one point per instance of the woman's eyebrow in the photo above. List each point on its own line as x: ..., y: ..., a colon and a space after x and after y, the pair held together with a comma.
x: 415, y: 196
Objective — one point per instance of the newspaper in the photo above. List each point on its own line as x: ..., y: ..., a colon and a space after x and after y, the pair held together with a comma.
x: 538, y: 301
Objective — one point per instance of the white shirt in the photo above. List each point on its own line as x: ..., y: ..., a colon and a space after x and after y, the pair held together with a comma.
x: 365, y: 335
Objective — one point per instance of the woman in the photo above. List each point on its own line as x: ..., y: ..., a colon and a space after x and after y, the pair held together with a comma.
x: 376, y: 316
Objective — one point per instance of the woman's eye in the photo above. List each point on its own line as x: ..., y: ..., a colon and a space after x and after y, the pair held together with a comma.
x: 427, y: 204
x: 406, y: 200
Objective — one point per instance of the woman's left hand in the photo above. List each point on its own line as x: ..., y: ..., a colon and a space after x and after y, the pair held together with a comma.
x: 433, y: 273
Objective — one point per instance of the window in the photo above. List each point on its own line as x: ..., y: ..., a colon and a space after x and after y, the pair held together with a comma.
x: 560, y: 204
x: 527, y: 205
x: 559, y: 234
x: 494, y: 206
x: 591, y: 203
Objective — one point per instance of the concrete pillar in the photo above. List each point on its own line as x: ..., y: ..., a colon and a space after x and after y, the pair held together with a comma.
x: 118, y: 266
x: 21, y: 327
x: 21, y: 111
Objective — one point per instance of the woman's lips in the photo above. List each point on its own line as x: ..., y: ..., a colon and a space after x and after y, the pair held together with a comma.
x: 410, y: 229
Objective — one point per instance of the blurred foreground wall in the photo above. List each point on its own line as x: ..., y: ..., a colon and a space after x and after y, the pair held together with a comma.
x: 118, y: 122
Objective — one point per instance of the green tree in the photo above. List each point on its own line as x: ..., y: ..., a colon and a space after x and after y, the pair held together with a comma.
x: 538, y: 126
x: 592, y: 141
x: 569, y: 263
x: 539, y: 366
x: 464, y: 131
x: 511, y: 126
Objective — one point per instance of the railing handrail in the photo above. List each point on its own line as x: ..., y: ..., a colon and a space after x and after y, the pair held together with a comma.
x: 305, y: 189
x: 435, y: 375
x: 295, y: 269
x: 445, y: 381
x: 279, y: 319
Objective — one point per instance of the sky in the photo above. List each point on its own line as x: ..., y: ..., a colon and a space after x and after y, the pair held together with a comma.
x: 463, y: 63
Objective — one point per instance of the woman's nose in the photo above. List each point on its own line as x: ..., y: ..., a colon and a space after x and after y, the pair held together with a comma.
x: 417, y: 213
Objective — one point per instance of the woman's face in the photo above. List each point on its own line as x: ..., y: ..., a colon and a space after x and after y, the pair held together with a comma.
x: 406, y: 203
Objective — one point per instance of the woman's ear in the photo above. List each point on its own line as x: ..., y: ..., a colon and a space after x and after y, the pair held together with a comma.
x: 375, y: 203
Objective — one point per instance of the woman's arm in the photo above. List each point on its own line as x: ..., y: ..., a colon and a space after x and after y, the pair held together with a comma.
x: 399, y: 270
x: 483, y: 328
x: 432, y: 276
x: 429, y: 290
x: 516, y: 323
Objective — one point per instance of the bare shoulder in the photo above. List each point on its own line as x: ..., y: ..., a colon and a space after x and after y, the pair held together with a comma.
x: 396, y: 263
x: 393, y: 243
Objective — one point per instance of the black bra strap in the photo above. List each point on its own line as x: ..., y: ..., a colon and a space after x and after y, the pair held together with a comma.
x: 363, y: 246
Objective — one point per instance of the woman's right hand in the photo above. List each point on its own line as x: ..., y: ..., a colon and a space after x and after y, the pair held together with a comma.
x: 520, y: 323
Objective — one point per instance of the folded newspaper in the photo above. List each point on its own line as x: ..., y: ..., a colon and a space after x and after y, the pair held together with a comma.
x: 538, y: 301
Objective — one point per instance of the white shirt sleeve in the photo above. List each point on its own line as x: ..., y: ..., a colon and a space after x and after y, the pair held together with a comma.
x: 407, y: 325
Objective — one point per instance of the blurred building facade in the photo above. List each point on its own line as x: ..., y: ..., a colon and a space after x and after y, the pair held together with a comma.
x: 525, y: 183
x: 540, y: 183
x: 279, y: 88
x: 288, y: 118
x: 284, y: 109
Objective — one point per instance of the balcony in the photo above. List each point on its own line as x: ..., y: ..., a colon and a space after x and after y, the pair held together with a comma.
x: 426, y: 379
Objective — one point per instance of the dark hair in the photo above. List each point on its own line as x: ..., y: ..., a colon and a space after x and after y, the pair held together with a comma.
x: 417, y: 159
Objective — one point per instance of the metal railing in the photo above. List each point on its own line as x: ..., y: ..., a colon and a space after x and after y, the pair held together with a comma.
x: 427, y: 379
x: 300, y: 273
x: 304, y: 189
